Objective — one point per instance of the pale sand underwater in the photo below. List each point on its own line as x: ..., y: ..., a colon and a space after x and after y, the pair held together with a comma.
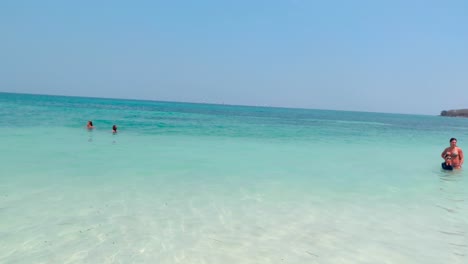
x: 185, y: 183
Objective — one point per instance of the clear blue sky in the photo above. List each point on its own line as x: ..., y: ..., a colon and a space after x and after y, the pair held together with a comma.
x: 380, y: 56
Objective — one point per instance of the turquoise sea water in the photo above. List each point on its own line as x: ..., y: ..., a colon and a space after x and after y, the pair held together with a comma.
x: 199, y: 183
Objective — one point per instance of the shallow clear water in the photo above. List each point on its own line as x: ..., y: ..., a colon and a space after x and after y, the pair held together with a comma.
x: 198, y: 183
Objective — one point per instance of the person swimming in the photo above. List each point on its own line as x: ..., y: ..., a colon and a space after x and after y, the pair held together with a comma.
x: 90, y: 125
x: 114, y: 129
x: 455, y: 153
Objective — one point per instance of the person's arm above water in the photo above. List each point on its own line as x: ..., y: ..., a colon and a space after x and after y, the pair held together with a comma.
x: 443, y: 153
x: 460, y: 154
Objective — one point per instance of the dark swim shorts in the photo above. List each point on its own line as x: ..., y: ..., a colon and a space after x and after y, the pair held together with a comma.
x: 446, y: 167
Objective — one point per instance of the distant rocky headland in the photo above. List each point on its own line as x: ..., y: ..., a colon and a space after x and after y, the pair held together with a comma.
x: 455, y: 113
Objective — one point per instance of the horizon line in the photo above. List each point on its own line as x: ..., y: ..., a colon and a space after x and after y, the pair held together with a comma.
x: 207, y: 103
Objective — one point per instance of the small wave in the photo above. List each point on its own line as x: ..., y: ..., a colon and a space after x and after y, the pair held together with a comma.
x: 361, y: 123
